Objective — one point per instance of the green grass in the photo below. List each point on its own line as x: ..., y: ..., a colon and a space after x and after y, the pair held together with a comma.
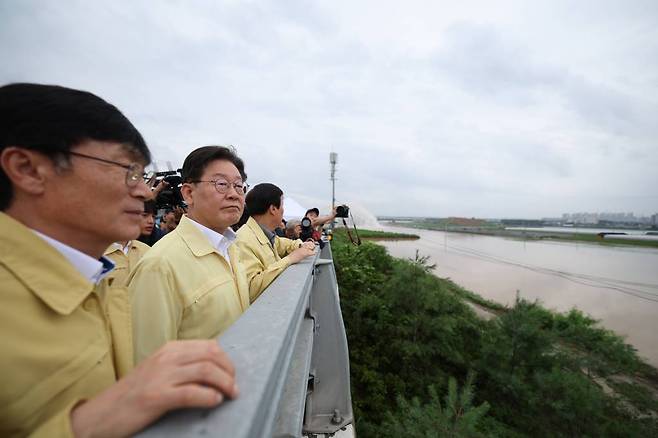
x: 498, y: 230
x: 638, y: 395
x: 377, y: 235
x: 468, y: 295
x: 592, y: 238
x: 442, y: 224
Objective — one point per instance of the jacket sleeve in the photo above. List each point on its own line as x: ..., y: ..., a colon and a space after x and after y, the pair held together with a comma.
x: 58, y: 425
x: 258, y: 275
x: 285, y: 246
x: 157, y: 308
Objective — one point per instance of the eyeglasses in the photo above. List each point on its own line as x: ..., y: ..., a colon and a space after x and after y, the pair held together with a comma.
x: 134, y: 171
x: 222, y: 186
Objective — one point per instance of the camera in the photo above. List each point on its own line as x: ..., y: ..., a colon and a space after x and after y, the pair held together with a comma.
x: 307, y: 229
x: 171, y: 196
x: 342, y: 211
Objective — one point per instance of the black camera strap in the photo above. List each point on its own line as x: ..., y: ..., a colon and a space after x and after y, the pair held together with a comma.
x: 349, y: 234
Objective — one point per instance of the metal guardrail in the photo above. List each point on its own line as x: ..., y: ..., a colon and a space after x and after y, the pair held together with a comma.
x: 290, y: 353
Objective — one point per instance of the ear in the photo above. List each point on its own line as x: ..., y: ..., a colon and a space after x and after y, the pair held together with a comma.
x: 187, y: 191
x: 27, y: 170
x: 272, y: 209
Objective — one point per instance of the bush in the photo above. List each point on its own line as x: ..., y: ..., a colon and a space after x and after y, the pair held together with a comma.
x: 407, y: 328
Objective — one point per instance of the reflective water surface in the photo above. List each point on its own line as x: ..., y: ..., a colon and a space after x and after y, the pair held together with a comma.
x: 617, y: 285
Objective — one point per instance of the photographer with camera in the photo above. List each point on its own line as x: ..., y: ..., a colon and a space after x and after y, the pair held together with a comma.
x: 312, y: 224
x: 190, y: 285
x: 317, y: 221
x: 265, y: 255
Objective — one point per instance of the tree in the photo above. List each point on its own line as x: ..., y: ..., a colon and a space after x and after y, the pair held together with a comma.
x: 457, y: 417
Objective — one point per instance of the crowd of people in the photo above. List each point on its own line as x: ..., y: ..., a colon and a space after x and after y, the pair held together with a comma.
x: 111, y: 309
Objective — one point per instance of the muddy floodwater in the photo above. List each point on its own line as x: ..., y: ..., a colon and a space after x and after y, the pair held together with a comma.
x: 615, y: 284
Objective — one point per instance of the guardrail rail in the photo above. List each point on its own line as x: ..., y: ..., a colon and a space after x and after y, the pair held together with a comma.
x: 291, y: 358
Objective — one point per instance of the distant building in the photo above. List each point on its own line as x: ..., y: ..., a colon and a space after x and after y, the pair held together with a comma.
x: 607, y: 218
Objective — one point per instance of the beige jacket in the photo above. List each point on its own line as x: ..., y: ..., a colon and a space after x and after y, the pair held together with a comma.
x: 124, y: 262
x: 184, y: 289
x: 262, y: 261
x: 58, y: 338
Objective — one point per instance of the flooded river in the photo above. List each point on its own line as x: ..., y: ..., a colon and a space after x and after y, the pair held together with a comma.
x: 614, y: 284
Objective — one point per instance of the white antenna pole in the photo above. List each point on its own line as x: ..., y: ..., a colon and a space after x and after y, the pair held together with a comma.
x: 333, y: 158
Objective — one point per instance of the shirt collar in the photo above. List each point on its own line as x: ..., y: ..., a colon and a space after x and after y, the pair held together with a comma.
x: 90, y: 268
x: 269, y: 234
x: 219, y: 241
x: 118, y: 247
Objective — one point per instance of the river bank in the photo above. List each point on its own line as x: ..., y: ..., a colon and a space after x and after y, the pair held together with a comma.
x: 564, y: 235
x: 617, y: 285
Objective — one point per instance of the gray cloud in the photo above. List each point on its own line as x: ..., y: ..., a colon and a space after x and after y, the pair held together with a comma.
x: 433, y: 109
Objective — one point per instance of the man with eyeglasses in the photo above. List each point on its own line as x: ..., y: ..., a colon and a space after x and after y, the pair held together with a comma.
x: 71, y: 183
x: 263, y: 254
x: 190, y: 284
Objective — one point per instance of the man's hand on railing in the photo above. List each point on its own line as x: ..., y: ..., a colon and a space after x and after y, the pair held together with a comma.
x: 306, y: 250
x: 181, y: 374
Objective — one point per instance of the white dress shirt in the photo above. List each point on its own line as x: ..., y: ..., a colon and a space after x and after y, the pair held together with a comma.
x: 90, y: 268
x: 220, y: 242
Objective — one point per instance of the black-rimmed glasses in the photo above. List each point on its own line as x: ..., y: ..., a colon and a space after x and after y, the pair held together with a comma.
x: 134, y: 171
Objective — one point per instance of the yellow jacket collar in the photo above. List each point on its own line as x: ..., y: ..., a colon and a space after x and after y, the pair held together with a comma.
x: 41, y: 267
x: 115, y: 247
x: 258, y: 232
x: 193, y: 237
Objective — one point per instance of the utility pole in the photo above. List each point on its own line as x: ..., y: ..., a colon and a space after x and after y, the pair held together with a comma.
x: 333, y: 158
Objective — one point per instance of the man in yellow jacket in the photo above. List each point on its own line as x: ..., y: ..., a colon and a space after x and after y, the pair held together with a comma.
x: 190, y: 284
x: 263, y: 254
x: 71, y: 169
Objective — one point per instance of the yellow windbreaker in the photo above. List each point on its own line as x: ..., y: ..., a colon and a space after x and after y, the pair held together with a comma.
x: 123, y: 262
x: 261, y: 261
x: 57, y: 345
x: 184, y: 289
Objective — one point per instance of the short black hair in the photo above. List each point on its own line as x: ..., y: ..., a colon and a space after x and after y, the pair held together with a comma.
x: 196, y: 162
x: 312, y: 210
x: 261, y: 196
x: 52, y: 120
x: 150, y: 207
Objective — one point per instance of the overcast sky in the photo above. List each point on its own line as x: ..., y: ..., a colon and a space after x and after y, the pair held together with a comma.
x: 487, y: 109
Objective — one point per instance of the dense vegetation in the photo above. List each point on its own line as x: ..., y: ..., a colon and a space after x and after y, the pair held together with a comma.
x: 388, y: 235
x: 423, y: 364
x: 593, y: 238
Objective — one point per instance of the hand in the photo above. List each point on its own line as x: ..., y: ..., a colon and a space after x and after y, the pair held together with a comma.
x: 156, y: 191
x: 160, y: 187
x: 302, y: 252
x: 181, y: 374
x: 310, y: 244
